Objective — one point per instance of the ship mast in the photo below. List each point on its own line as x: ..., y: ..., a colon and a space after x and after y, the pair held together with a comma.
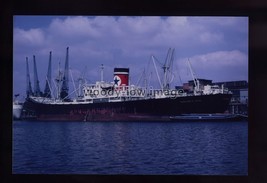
x: 102, y: 72
x: 28, y: 80
x: 81, y: 82
x: 195, y: 80
x: 166, y: 68
x: 47, y: 90
x: 37, y: 91
x: 153, y: 60
x: 58, y: 82
x: 65, y: 84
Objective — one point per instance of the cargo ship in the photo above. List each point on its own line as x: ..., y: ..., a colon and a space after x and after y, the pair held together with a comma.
x: 119, y: 100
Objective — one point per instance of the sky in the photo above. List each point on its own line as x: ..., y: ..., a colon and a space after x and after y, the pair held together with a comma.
x: 217, y: 47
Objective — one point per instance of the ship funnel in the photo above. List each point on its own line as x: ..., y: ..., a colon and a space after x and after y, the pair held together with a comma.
x: 121, y: 76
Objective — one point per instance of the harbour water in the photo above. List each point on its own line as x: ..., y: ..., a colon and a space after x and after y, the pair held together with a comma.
x: 135, y: 148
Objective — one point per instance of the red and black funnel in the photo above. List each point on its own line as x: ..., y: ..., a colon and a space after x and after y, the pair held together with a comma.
x: 121, y: 76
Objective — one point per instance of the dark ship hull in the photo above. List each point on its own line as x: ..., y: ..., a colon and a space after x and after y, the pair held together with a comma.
x: 129, y: 110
